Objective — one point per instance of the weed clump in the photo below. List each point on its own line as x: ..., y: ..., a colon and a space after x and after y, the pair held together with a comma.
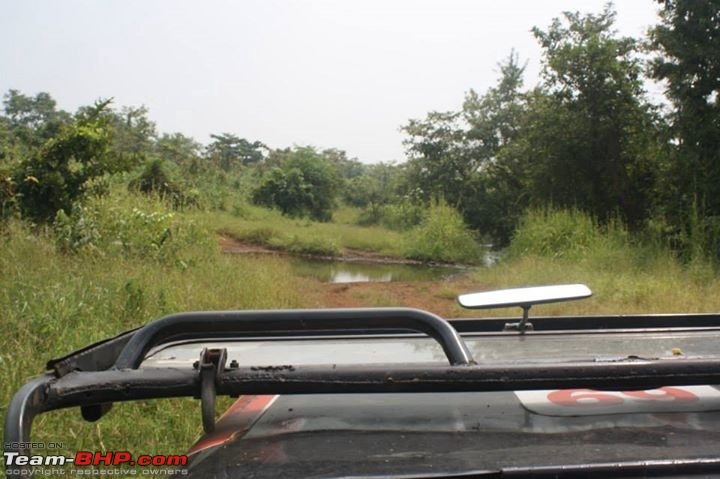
x: 315, y: 246
x: 147, y: 229
x: 568, y: 234
x: 442, y: 236
x: 574, y: 236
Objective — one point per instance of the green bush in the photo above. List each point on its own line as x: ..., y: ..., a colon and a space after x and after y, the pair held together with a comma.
x: 156, y: 179
x: 400, y: 216
x: 442, y: 236
x: 59, y: 173
x: 305, y: 185
x: 566, y: 234
x: 259, y: 236
x: 8, y: 200
x: 146, y: 230
x: 315, y: 246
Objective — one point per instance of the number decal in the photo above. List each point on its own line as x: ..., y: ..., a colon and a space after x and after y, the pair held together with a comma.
x: 664, y: 394
x: 583, y: 397
x: 590, y: 397
x: 590, y: 402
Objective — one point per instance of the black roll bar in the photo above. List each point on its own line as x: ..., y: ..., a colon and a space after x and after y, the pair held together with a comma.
x: 223, y: 324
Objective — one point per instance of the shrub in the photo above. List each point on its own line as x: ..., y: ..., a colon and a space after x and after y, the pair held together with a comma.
x: 148, y: 230
x: 305, y: 185
x: 402, y: 216
x: 442, y: 236
x: 56, y: 176
x: 315, y: 246
x: 566, y: 234
x: 156, y: 179
x: 259, y: 236
x: 61, y: 172
x: 399, y: 216
x: 7, y: 194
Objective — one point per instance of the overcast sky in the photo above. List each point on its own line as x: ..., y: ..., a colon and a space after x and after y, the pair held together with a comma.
x: 344, y: 74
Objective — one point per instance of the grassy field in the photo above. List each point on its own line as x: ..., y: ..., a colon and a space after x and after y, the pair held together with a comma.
x: 269, y: 228
x: 54, y: 300
x: 442, y: 236
x: 625, y: 274
x: 52, y: 303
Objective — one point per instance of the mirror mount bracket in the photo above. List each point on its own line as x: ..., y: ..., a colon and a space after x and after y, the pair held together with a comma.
x: 522, y: 325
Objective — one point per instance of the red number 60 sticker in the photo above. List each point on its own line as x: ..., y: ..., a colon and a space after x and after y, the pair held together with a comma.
x: 589, y: 397
x: 574, y: 402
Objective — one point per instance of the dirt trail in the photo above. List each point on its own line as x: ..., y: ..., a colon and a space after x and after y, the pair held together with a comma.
x: 233, y: 246
x: 434, y: 296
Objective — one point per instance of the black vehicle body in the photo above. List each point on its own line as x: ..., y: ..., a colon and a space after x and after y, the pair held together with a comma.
x: 394, y: 392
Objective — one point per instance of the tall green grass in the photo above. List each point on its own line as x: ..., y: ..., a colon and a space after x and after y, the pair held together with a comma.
x: 53, y: 302
x: 442, y: 236
x: 627, y: 276
x: 566, y: 234
x: 270, y: 228
x: 133, y: 225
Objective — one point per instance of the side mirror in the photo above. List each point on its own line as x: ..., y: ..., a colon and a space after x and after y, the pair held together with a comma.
x: 525, y: 298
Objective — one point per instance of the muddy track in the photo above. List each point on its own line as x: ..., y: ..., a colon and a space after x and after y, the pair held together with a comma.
x: 434, y: 296
x: 233, y: 246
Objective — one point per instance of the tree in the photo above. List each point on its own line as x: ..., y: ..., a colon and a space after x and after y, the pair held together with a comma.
x: 587, y: 139
x: 496, y: 196
x: 440, y: 160
x: 7, y: 143
x: 60, y: 172
x: 375, y: 188
x: 133, y: 135
x: 304, y: 185
x: 456, y: 155
x: 229, y: 151
x: 346, y: 167
x: 8, y: 160
x: 155, y: 178
x: 494, y: 117
x: 687, y: 43
x: 33, y: 120
x: 179, y: 149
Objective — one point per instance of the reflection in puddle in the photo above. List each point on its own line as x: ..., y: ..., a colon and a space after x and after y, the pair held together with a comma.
x: 340, y: 272
x: 350, y: 277
x: 329, y: 271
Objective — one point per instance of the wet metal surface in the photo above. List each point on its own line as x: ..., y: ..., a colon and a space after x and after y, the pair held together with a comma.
x: 490, y: 348
x: 386, y: 434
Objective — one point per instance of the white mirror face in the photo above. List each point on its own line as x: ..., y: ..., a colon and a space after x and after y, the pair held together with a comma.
x: 524, y: 296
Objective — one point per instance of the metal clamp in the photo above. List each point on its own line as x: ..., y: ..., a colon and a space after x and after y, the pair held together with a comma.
x: 523, y: 325
x: 211, y: 366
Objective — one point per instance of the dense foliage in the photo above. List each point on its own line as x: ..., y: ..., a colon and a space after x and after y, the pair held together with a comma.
x: 305, y: 184
x: 584, y: 138
x: 687, y: 46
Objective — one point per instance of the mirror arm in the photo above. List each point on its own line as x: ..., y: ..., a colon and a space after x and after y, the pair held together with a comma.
x: 523, y: 325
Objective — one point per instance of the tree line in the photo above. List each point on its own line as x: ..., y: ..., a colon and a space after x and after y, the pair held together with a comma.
x: 585, y: 137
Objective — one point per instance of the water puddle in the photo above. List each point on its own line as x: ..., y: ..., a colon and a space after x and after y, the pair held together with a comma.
x: 342, y: 272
